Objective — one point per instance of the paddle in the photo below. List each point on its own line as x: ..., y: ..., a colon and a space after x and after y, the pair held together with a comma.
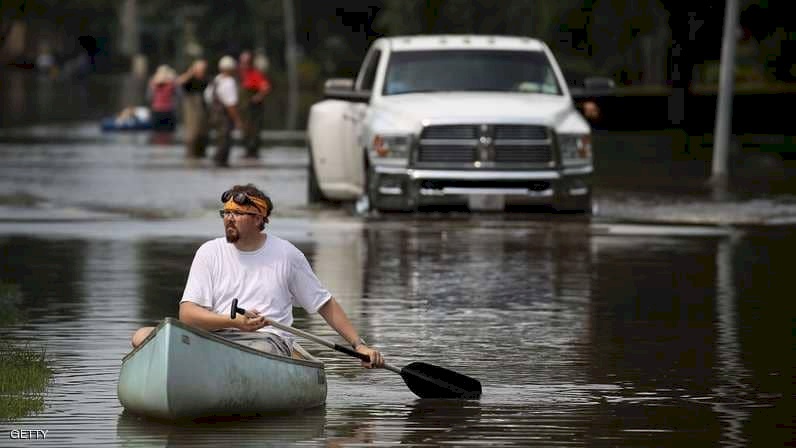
x: 425, y: 380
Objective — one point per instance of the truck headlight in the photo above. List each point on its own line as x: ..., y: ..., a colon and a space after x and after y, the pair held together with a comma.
x: 575, y: 149
x: 391, y: 146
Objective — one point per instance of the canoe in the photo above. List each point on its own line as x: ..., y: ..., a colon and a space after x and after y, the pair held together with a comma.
x: 183, y: 372
x: 111, y: 124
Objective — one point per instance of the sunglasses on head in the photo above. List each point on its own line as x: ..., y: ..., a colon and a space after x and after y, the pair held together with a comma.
x: 239, y: 197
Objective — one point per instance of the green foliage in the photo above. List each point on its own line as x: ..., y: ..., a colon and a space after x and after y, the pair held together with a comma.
x: 23, y: 380
x: 24, y: 374
x: 24, y: 369
x: 400, y: 17
x: 10, y: 11
x: 606, y: 37
x: 75, y: 16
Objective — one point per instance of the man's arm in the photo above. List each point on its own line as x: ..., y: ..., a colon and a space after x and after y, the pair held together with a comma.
x: 336, y: 317
x: 185, y: 77
x: 197, y: 316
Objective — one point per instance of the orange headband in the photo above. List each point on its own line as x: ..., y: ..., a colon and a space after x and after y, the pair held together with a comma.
x: 260, y: 207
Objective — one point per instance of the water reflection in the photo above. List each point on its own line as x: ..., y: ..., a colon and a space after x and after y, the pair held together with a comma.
x: 419, y: 423
x: 163, y: 269
x: 432, y: 283
x: 49, y: 273
x: 731, y: 369
x: 259, y: 431
x: 755, y: 319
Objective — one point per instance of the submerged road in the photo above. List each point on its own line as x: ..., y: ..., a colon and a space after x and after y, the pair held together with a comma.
x: 76, y: 172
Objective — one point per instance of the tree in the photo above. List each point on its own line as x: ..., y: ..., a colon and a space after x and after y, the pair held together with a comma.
x: 10, y: 11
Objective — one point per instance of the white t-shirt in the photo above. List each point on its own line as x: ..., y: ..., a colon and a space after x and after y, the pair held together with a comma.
x: 226, y: 89
x: 270, y: 280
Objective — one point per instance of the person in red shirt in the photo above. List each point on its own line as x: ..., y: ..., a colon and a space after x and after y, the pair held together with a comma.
x: 254, y: 86
x: 161, y: 92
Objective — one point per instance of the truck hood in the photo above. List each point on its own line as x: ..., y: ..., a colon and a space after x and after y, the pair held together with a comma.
x: 410, y: 111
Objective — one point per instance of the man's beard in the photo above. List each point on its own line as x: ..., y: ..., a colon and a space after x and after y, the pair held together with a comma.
x: 232, y: 234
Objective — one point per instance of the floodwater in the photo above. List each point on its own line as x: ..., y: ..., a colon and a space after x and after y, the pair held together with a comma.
x: 583, y: 332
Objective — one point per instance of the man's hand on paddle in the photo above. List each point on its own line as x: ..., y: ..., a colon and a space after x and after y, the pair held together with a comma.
x: 377, y: 360
x: 252, y: 321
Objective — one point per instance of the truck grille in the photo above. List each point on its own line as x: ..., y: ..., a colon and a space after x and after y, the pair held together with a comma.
x: 492, y: 145
x: 450, y: 132
x: 523, y: 154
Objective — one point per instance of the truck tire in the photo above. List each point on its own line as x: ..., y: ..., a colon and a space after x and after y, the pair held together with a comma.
x: 380, y: 202
x: 314, y: 193
x: 371, y: 187
x: 582, y: 204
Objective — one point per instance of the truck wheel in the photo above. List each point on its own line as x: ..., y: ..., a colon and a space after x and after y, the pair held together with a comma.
x: 380, y: 202
x: 371, y: 187
x: 314, y: 193
x: 581, y: 204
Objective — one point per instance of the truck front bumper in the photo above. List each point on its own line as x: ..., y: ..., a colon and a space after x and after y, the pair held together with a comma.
x: 406, y: 188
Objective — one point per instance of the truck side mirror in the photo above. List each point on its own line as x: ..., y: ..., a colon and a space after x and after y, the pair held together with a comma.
x: 343, y: 89
x: 339, y: 84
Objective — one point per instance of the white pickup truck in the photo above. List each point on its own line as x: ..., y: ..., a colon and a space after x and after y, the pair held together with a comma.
x: 479, y: 120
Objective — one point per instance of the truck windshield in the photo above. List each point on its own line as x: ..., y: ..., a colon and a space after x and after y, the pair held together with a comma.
x: 470, y: 70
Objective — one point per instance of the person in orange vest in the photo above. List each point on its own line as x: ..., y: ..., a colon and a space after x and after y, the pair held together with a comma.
x: 254, y: 86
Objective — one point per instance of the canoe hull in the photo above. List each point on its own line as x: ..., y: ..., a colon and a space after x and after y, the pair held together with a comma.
x: 183, y: 372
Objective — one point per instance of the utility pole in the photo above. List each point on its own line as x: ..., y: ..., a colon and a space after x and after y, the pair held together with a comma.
x: 188, y: 48
x: 723, y: 131
x: 290, y: 61
x: 130, y: 42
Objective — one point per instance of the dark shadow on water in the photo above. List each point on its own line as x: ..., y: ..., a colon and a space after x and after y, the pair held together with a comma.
x: 163, y: 270
x: 661, y: 308
x: 48, y: 272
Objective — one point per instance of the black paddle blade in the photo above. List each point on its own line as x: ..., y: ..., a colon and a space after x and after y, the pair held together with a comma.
x: 430, y: 381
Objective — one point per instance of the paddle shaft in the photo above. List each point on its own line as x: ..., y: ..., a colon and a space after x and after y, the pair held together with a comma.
x: 340, y: 348
x: 330, y: 344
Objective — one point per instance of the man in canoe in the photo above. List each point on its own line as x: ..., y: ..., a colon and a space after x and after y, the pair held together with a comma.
x: 267, y: 274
